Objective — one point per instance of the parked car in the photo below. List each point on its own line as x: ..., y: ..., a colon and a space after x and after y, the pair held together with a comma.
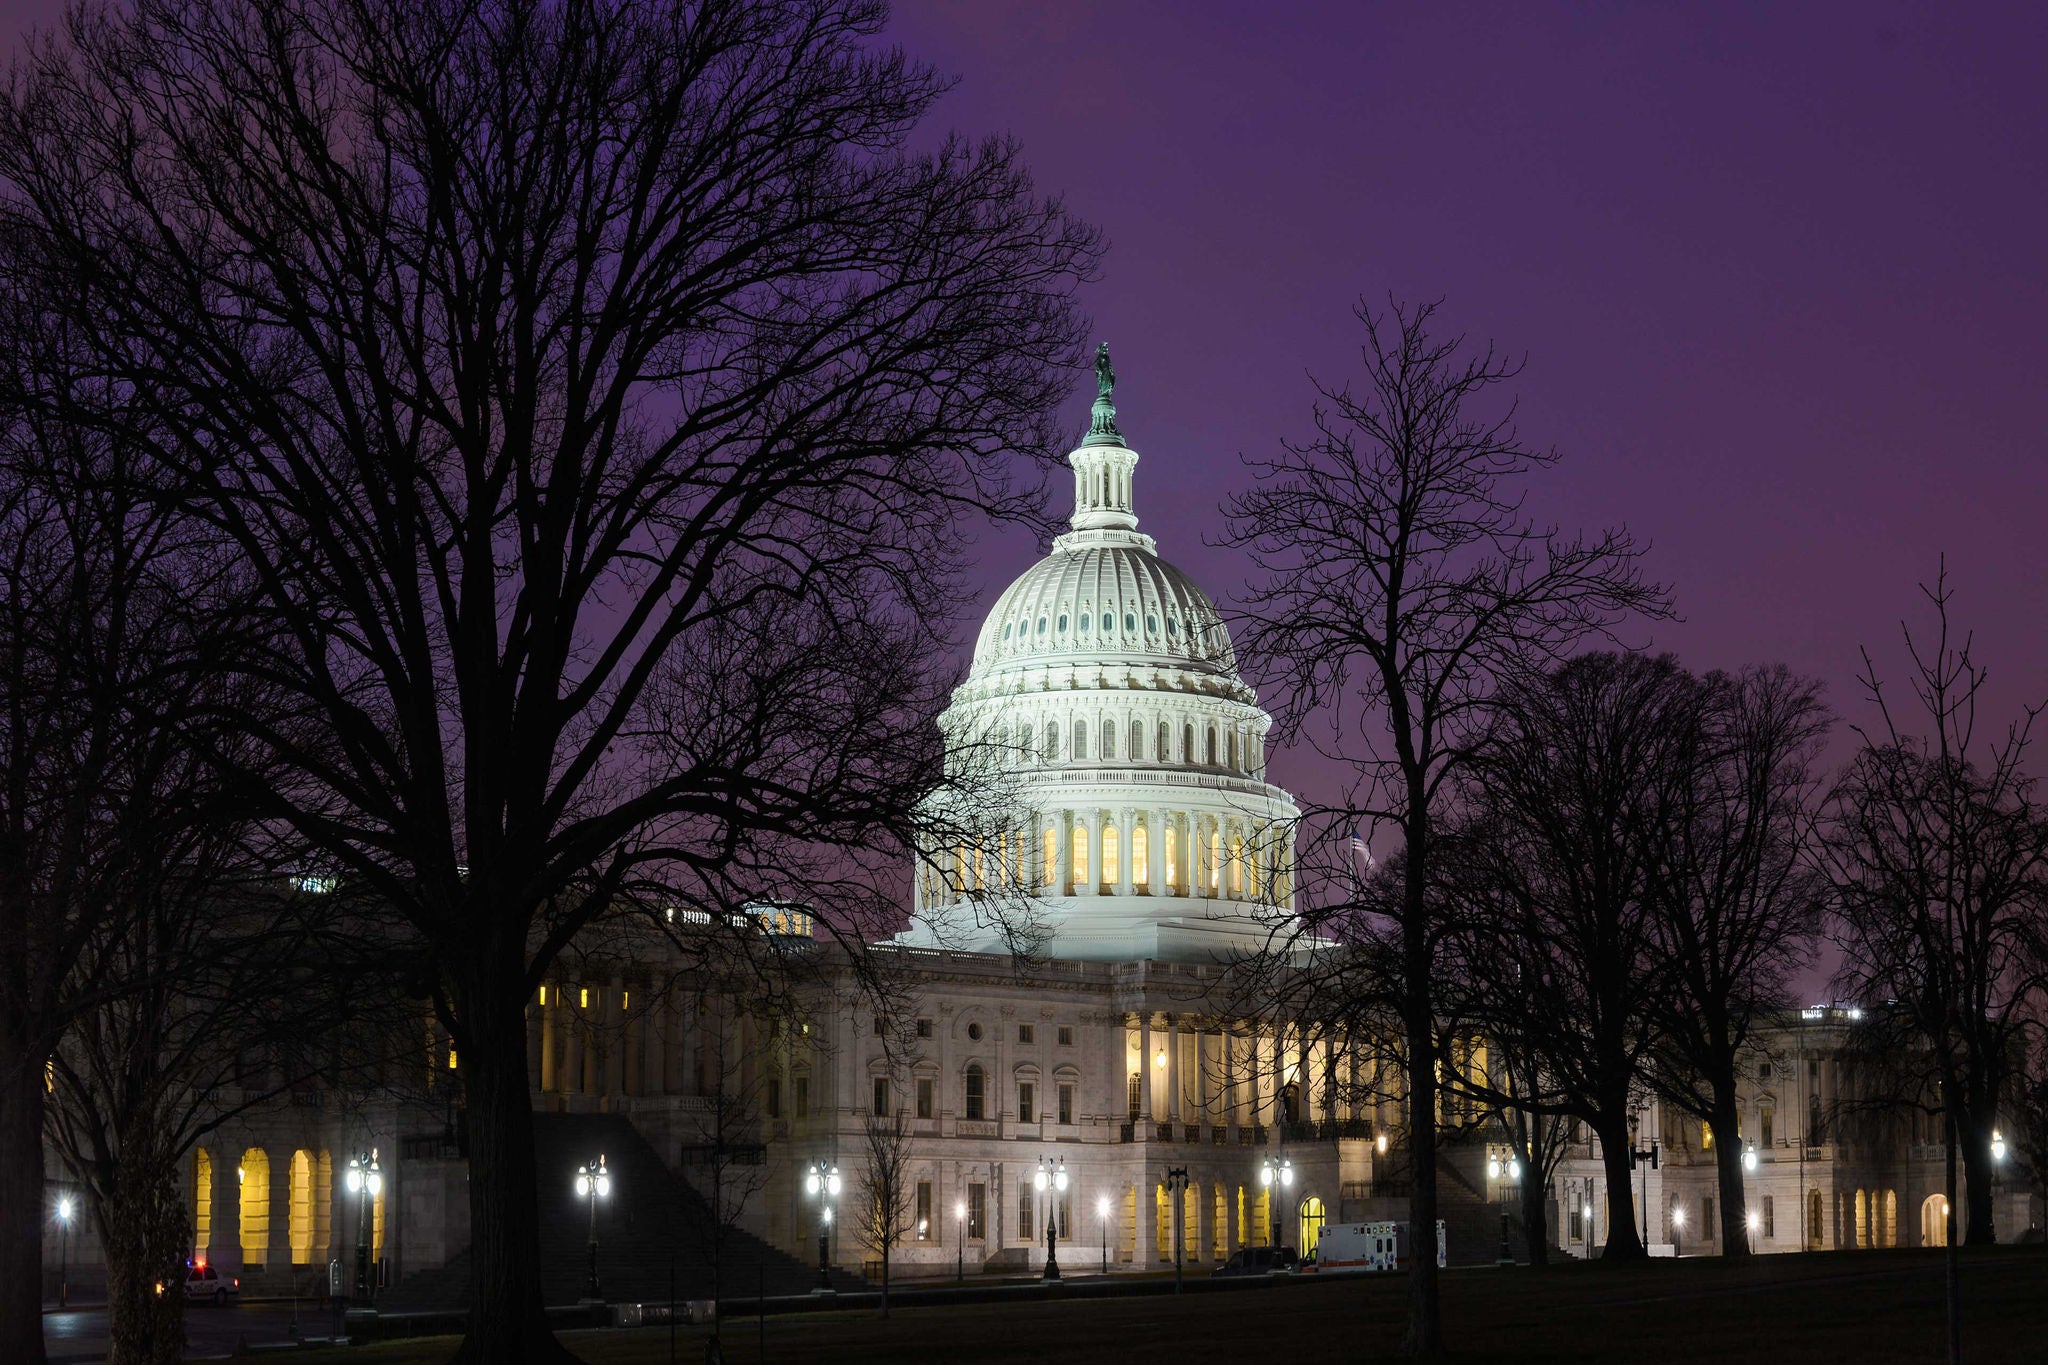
x: 207, y: 1285
x: 1257, y: 1261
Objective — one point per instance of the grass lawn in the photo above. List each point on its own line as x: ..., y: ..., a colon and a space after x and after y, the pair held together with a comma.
x: 1873, y: 1306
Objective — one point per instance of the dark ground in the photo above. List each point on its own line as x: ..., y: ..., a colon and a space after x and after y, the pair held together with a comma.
x: 1873, y: 1306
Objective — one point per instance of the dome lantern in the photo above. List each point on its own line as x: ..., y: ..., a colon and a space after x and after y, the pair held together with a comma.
x: 1103, y: 464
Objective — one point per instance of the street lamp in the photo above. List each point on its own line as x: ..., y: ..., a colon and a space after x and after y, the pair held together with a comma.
x: 1102, y: 1216
x: 1176, y: 1189
x: 960, y: 1240
x: 1502, y: 1172
x: 1997, y: 1145
x: 365, y: 1180
x: 1271, y: 1174
x: 1677, y: 1226
x: 821, y: 1182
x: 64, y: 1252
x: 593, y: 1182
x: 1051, y: 1181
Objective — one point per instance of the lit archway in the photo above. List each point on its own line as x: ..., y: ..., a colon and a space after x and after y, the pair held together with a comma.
x: 202, y: 1201
x: 1934, y: 1221
x: 1311, y: 1226
x: 253, y: 1175
x: 300, y: 1225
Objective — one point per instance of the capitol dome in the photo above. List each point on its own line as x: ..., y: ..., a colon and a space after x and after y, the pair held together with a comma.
x: 1117, y: 755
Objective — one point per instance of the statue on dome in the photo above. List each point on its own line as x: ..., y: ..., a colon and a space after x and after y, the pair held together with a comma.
x: 1102, y: 419
x: 1105, y: 376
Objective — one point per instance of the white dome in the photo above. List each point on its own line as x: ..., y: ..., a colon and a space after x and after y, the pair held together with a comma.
x: 1103, y: 596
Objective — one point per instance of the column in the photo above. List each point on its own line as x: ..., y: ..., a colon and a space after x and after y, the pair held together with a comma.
x: 1145, y: 1068
x: 548, y: 1077
x: 1125, y: 823
x: 1087, y: 879
x: 1173, y: 1068
x: 1063, y: 850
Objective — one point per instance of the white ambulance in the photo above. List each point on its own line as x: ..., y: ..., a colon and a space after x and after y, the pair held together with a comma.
x: 1359, y: 1248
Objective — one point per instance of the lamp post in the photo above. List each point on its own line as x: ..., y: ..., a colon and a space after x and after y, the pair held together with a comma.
x: 1501, y: 1171
x: 1102, y: 1216
x: 365, y: 1180
x: 960, y: 1241
x: 1177, y: 1186
x: 1277, y: 1177
x: 1677, y: 1227
x: 1051, y: 1181
x: 1749, y: 1221
x: 593, y: 1182
x: 822, y: 1183
x: 64, y: 1251
x: 1647, y: 1159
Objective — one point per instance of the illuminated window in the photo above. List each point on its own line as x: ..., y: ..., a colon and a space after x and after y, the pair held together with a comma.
x: 1052, y: 855
x: 1706, y: 1137
x: 301, y: 1210
x: 1237, y: 867
x: 202, y: 1200
x: 1172, y: 859
x: 1080, y: 854
x: 1251, y: 869
x: 254, y: 1177
x: 583, y: 998
x: 1141, y: 871
x: 1215, y: 863
x: 451, y: 1059
x: 1110, y: 850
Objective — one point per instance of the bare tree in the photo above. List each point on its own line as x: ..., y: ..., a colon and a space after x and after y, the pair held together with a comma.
x: 1937, y: 850
x: 1736, y: 902
x: 884, y: 1213
x: 1402, y: 583
x: 561, y: 370
x: 1554, y: 887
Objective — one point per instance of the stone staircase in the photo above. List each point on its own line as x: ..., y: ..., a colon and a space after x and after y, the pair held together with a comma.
x: 653, y: 1222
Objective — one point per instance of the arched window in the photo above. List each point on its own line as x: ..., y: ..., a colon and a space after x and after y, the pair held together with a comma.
x: 1024, y: 740
x: 1052, y: 855
x: 977, y: 1092
x: 202, y: 1200
x: 1890, y: 1224
x: 1187, y: 744
x: 1052, y: 741
x: 1863, y: 1218
x: 1163, y: 753
x: 253, y: 1176
x: 1109, y: 739
x: 1111, y: 872
x: 1080, y: 739
x: 1251, y: 867
x: 1080, y: 854
x: 1141, y: 857
x: 1212, y: 746
x: 1087, y: 621
x: 1215, y: 863
x: 1172, y: 860
x: 1237, y: 867
x: 1233, y: 751
x: 301, y: 1210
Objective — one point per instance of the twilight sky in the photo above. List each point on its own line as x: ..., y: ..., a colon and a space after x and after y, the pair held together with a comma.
x: 1778, y: 275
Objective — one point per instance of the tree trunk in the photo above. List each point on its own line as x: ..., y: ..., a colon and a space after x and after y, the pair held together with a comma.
x: 1951, y: 1268
x: 1535, y: 1219
x: 1727, y: 1126
x: 143, y: 1230
x: 1623, y: 1243
x: 506, y: 1324
x: 885, y: 1280
x: 1974, y: 1145
x: 21, y: 1199
x: 1425, y: 1309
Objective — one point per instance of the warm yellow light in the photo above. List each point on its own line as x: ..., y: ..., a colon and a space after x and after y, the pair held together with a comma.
x: 583, y: 998
x: 1159, y: 1059
x: 1382, y: 1142
x: 625, y: 999
x: 543, y: 995
x: 451, y: 1059
x: 240, y: 1175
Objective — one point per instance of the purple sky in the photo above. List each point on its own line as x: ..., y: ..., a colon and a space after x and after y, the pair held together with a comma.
x: 1778, y: 274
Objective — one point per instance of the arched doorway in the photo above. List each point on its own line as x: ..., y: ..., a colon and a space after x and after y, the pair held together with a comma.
x: 1311, y: 1226
x: 1934, y: 1221
x: 253, y: 1176
x: 1816, y: 1221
